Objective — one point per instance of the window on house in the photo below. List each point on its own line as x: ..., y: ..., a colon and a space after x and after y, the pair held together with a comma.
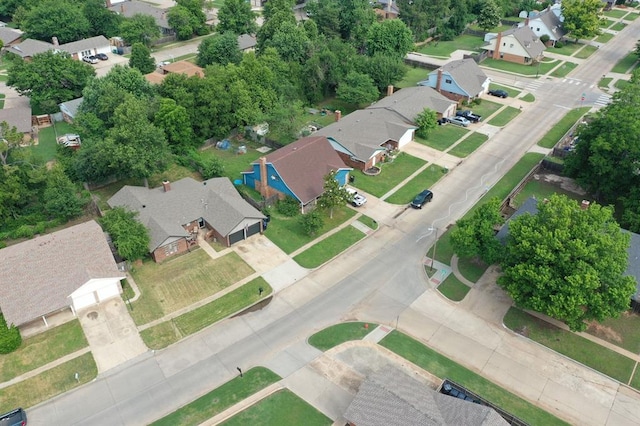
x: 511, y: 45
x: 85, y: 53
x: 527, y: 60
x: 504, y: 44
x: 501, y: 55
x: 448, y: 81
x: 537, y: 29
x: 170, y: 249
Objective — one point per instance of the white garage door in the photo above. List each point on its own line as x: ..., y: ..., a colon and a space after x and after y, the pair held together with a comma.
x: 108, y: 291
x: 84, y: 300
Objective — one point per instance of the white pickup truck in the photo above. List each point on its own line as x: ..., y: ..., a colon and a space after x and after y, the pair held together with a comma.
x: 357, y: 199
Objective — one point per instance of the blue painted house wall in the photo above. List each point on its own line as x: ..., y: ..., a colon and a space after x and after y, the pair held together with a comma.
x: 452, y: 87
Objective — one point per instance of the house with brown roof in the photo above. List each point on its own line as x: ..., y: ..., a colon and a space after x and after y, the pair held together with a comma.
x: 459, y: 80
x: 182, y: 67
x: 519, y: 45
x: 297, y: 170
x: 177, y: 211
x: 69, y: 269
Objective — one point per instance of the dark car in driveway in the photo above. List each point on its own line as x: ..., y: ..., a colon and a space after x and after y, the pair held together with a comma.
x: 469, y: 115
x: 499, y: 93
x: 421, y: 199
x: 102, y: 56
x: 16, y: 417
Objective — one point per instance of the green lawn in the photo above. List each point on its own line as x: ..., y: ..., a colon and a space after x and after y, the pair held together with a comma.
x: 500, y: 28
x: 554, y: 135
x: 366, y: 220
x: 441, y: 366
x: 505, y: 116
x: 486, y: 107
x: 340, y: 333
x: 221, y: 398
x: 169, y: 332
x: 604, y: 37
x: 541, y: 190
x: 47, y: 144
x: 564, y: 69
x: 235, y: 164
x: 615, y: 13
x: 528, y: 98
x: 623, y: 331
x: 444, y: 249
x: 413, y: 76
x: 604, y: 82
x: 444, y: 49
x: 329, y: 248
x: 425, y: 179
x: 529, y: 70
x: 631, y: 17
x: 471, y: 269
x: 442, y: 137
x: 567, y: 49
x: 621, y: 84
x: 391, y: 175
x: 453, y: 289
x: 618, y: 26
x: 468, y: 145
x: 511, y: 91
x: 173, y: 173
x: 288, y: 234
x: 179, y: 282
x: 605, y: 23
x: 571, y: 345
x: 280, y: 408
x: 49, y: 383
x: 625, y: 63
x: 42, y: 349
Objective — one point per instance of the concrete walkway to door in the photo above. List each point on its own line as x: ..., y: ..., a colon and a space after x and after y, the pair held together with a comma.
x: 111, y: 333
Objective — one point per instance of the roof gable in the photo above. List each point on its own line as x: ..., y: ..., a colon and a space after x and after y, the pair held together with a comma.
x: 467, y: 75
x: 9, y: 35
x: 134, y: 7
x: 85, y: 44
x: 20, y: 117
x: 411, y: 101
x: 38, y: 276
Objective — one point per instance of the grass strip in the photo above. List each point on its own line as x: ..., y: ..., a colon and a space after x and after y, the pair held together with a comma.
x: 585, y: 351
x: 280, y: 408
x: 391, y: 174
x: 424, y: 180
x: 468, y: 145
x: 554, y: 135
x: 625, y: 63
x: 49, y: 383
x: 369, y: 222
x: 564, y: 69
x: 453, y: 289
x: 329, y: 248
x: 442, y: 137
x: 221, y: 398
x: 443, y: 367
x: 528, y: 98
x: 340, y: 333
x: 505, y: 116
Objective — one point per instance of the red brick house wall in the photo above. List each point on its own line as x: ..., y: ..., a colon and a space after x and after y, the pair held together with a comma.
x: 160, y: 253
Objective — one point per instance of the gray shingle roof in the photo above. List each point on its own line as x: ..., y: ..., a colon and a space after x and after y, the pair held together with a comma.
x: 85, y: 44
x: 467, y: 74
x: 164, y: 213
x: 71, y: 107
x: 9, y: 35
x: 246, y: 41
x: 133, y: 7
x: 20, y: 117
x: 30, y: 47
x: 363, y: 132
x: 528, y: 40
x: 530, y: 206
x: 389, y: 397
x: 552, y: 22
x: 38, y: 276
x: 411, y: 101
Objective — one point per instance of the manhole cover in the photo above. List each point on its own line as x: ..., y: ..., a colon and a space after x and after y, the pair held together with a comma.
x: 92, y: 315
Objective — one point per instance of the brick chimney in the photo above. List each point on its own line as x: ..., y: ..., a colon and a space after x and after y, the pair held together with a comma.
x: 526, y: 22
x: 496, y: 49
x: 338, y: 115
x: 264, y: 183
x: 439, y: 81
x: 107, y: 3
x: 121, y: 8
x: 389, y: 3
x: 166, y: 185
x: 585, y: 204
x: 390, y: 90
x: 55, y: 42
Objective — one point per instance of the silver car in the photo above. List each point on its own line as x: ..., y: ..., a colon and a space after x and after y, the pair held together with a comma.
x: 460, y: 121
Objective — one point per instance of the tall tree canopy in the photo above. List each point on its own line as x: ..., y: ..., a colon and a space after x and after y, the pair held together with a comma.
x: 141, y: 59
x: 390, y: 37
x: 581, y: 17
x: 334, y: 195
x: 568, y: 263
x: 50, y: 78
x: 130, y: 237
x: 357, y: 88
x: 236, y: 16
x: 102, y: 21
x: 489, y: 16
x: 476, y: 237
x: 56, y: 18
x: 220, y: 49
x: 140, y: 29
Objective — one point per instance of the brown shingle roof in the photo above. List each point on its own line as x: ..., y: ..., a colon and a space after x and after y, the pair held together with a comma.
x: 38, y: 276
x: 183, y: 67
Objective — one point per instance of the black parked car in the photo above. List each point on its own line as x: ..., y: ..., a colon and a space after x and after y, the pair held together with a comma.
x: 102, y: 56
x: 16, y: 417
x: 421, y: 199
x: 499, y: 93
x: 469, y: 115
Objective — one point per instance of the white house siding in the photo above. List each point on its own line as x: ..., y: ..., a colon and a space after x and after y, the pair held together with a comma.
x: 511, y: 46
x: 406, y: 138
x: 95, y: 291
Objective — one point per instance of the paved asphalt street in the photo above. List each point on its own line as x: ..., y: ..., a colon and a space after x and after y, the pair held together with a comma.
x: 379, y: 280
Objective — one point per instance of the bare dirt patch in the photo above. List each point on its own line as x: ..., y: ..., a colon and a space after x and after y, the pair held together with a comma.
x: 604, y: 332
x: 563, y: 182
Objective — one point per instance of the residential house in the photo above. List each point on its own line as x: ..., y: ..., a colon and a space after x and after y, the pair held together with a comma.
x: 519, y: 45
x: 20, y: 117
x: 297, y: 170
x: 411, y: 101
x: 130, y: 8
x: 246, y: 43
x: 182, y: 67
x: 154, y: 77
x: 548, y: 22
x: 69, y: 269
x: 391, y: 397
x: 69, y: 109
x: 175, y: 213
x: 9, y: 36
x: 77, y: 49
x: 459, y: 80
x: 386, y: 9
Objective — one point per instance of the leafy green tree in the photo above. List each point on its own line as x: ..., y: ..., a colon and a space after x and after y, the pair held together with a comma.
x: 211, y: 167
x: 61, y: 197
x: 220, y: 49
x: 328, y: 62
x: 139, y: 29
x: 326, y: 15
x: 416, y: 15
x: 102, y: 21
x: 274, y: 7
x: 141, y: 58
x: 290, y: 41
x: 236, y: 16
x: 490, y: 15
x: 56, y: 18
x: 175, y: 121
x: 357, y: 88
x: 356, y: 17
x: 476, y: 237
x: 390, y: 37
x: 271, y: 26
x: 49, y: 79
x: 311, y: 222
x: 10, y: 338
x: 383, y: 70
x: 427, y: 120
x: 129, y: 236
x: 10, y: 139
x: 637, y: 50
x: 283, y: 119
x: 180, y: 19
x: 581, y: 18
x: 334, y: 195
x: 568, y: 263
